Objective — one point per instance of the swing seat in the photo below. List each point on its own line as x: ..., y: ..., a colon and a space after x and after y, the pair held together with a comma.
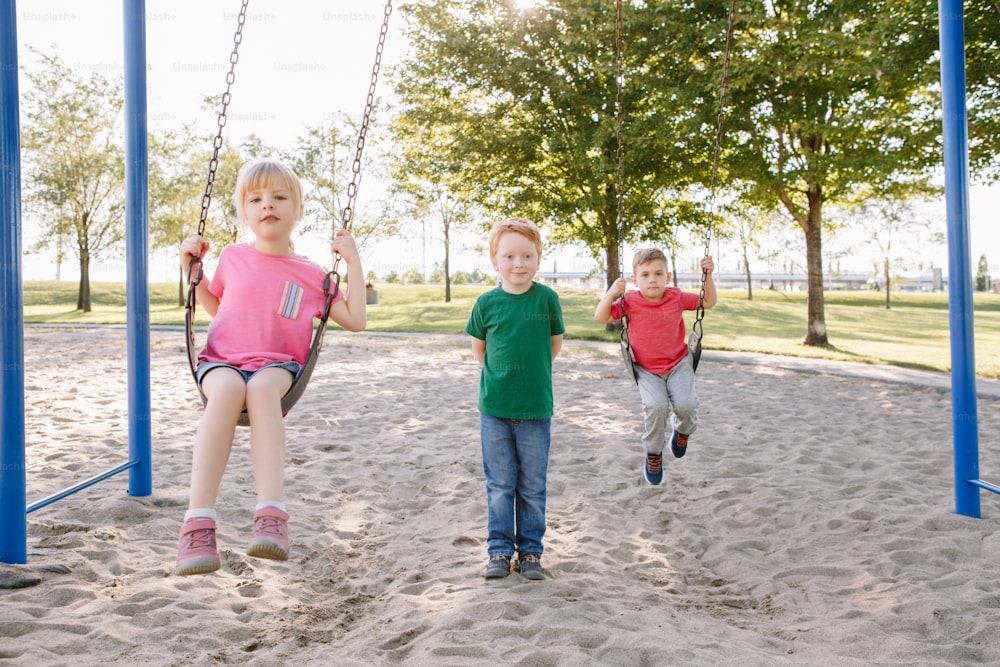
x: 693, y: 343
x: 627, y: 356
x: 298, y: 387
x: 299, y: 384
x: 694, y: 347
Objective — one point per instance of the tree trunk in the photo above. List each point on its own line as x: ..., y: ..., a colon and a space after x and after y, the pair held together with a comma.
x: 447, y: 271
x: 612, y: 259
x: 746, y: 270
x: 611, y: 245
x: 83, y: 296
x: 816, y: 324
x: 886, y: 271
x: 181, y: 292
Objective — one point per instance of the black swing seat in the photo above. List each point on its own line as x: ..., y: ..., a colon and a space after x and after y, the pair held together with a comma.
x: 693, y: 342
x: 627, y: 356
x: 298, y: 387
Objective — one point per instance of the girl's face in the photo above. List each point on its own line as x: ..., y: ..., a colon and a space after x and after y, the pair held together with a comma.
x: 517, y: 261
x: 270, y: 213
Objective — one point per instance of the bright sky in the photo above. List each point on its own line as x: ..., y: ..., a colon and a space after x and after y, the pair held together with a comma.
x: 300, y: 62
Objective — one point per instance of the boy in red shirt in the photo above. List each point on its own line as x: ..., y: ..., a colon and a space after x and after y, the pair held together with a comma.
x: 657, y: 337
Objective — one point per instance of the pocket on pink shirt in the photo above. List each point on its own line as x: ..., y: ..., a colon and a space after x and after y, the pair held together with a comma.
x: 291, y: 300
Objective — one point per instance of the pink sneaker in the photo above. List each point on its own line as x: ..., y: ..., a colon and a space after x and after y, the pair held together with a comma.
x: 270, y: 534
x: 196, y: 552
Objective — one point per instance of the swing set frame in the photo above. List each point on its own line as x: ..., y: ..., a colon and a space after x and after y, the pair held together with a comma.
x: 13, y: 508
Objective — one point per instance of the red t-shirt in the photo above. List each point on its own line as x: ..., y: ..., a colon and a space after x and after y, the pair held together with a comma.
x: 656, y: 331
x: 266, y: 308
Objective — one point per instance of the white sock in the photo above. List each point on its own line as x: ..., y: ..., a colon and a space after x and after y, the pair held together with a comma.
x: 200, y: 513
x: 271, y: 503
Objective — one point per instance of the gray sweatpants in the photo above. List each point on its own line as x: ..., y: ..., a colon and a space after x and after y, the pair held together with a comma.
x: 668, y: 402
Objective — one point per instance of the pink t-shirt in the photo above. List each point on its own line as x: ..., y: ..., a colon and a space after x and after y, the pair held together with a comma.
x: 656, y: 331
x: 266, y: 308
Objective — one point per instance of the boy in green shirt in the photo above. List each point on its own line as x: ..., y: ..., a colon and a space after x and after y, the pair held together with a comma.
x: 517, y: 331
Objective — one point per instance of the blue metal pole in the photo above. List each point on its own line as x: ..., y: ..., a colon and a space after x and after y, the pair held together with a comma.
x: 960, y: 306
x: 136, y: 242
x: 14, y: 535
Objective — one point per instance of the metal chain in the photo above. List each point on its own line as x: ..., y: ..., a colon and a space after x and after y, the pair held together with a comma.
x: 213, y: 164
x: 619, y: 104
x: 700, y: 313
x: 352, y: 188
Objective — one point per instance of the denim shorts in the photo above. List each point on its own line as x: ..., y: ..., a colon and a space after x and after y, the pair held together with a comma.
x: 204, y: 367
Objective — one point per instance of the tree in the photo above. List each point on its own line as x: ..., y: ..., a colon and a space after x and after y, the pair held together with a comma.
x: 324, y: 158
x: 982, y: 41
x: 828, y: 98
x: 825, y: 98
x: 886, y: 220
x: 72, y: 139
x: 176, y: 187
x: 983, y: 275
x: 527, y: 101
x: 749, y: 224
x: 433, y: 179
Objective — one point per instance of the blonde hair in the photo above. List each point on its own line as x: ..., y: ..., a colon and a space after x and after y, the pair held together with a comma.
x: 644, y: 255
x: 260, y: 174
x: 522, y: 226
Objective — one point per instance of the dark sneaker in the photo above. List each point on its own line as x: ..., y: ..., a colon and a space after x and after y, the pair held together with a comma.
x: 498, y: 567
x: 679, y: 443
x: 530, y: 566
x: 654, y: 468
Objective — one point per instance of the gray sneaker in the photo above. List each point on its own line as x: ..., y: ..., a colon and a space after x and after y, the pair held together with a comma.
x: 498, y: 567
x: 530, y: 566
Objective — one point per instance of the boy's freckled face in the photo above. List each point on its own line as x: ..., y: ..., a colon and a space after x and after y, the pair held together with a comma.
x: 517, y: 262
x: 651, y: 278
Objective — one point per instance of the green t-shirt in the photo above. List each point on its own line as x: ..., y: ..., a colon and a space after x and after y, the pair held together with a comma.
x: 516, y: 382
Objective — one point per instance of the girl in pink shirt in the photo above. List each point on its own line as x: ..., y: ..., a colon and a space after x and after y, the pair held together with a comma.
x: 262, y: 300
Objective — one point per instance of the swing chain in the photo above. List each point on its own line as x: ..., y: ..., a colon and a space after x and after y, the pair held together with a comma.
x: 352, y: 188
x: 619, y: 104
x: 727, y: 60
x: 213, y: 164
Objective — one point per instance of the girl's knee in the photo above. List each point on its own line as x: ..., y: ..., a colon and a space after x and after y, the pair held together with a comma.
x: 269, y: 383
x: 224, y: 385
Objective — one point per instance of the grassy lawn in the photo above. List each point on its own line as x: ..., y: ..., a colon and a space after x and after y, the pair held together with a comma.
x: 913, y: 333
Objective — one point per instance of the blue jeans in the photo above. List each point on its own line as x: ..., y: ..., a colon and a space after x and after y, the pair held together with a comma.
x: 516, y: 462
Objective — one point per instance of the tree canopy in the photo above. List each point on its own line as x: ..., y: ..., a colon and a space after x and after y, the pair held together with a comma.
x: 528, y: 99
x: 828, y: 100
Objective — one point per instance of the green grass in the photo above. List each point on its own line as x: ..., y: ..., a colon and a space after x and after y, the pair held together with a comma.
x: 913, y: 333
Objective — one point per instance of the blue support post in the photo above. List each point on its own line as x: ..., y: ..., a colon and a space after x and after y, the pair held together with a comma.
x: 965, y: 423
x: 136, y: 242
x: 14, y: 536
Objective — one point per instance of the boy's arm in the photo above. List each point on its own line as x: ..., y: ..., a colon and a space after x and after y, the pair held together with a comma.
x: 603, y: 312
x: 478, y: 350
x: 711, y: 298
x: 557, y: 342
